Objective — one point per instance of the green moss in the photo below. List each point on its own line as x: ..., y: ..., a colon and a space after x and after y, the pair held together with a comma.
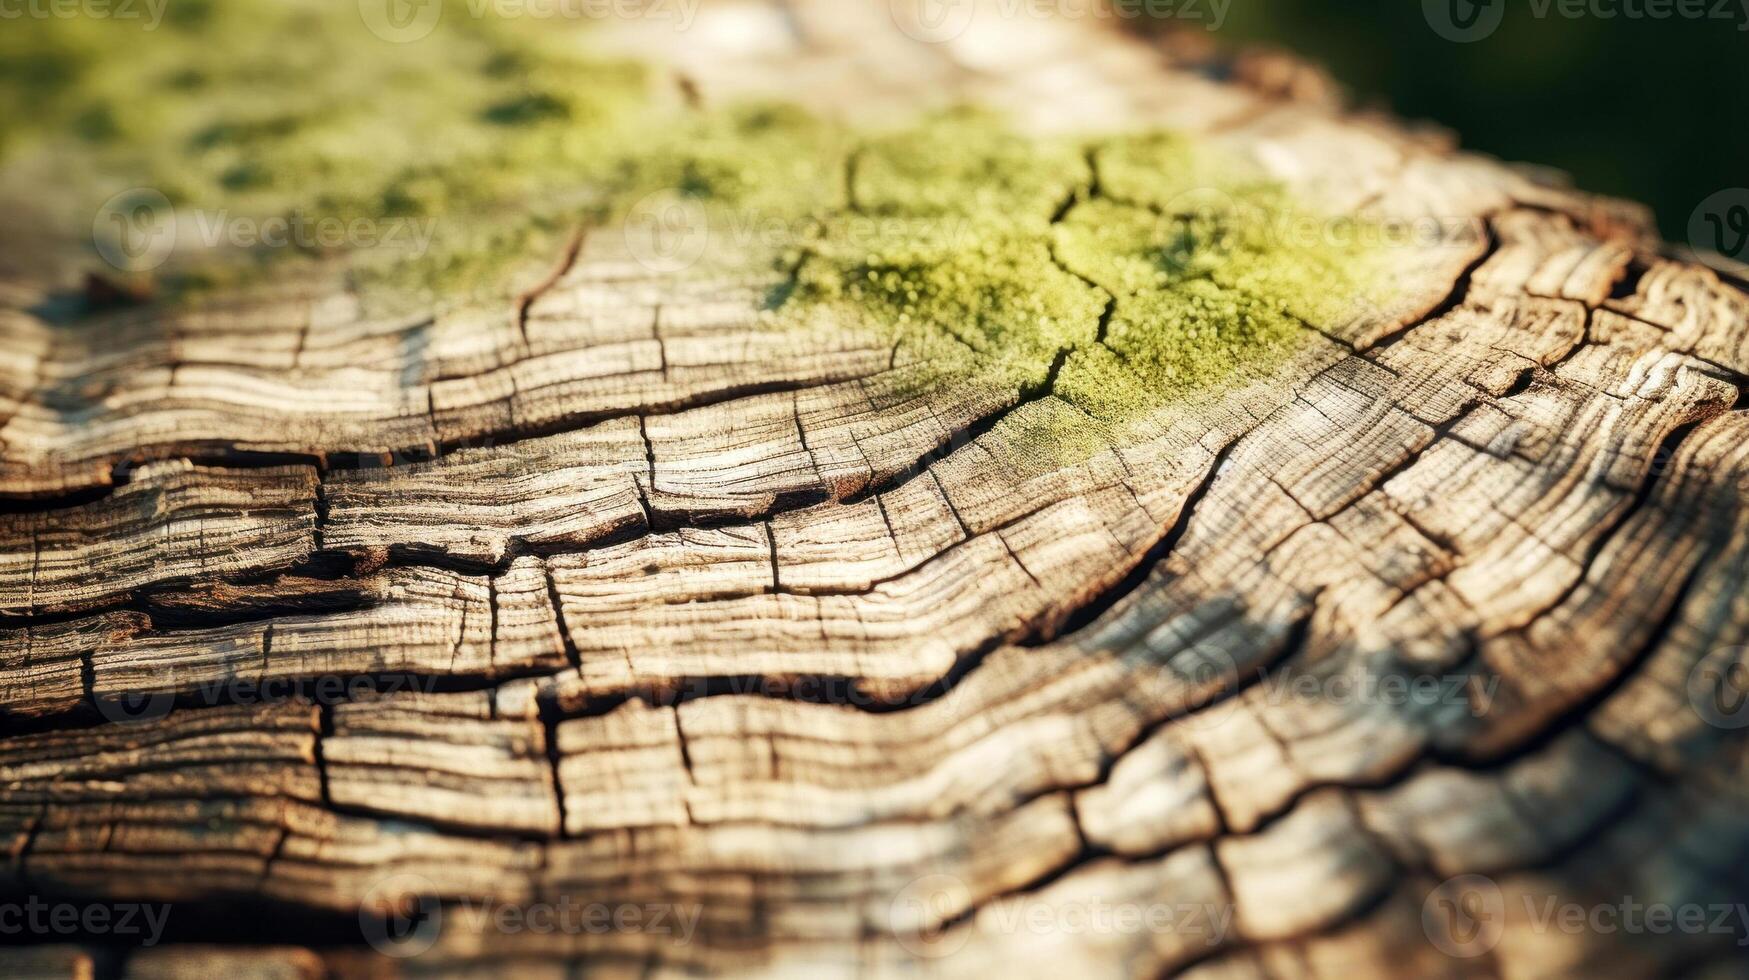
x: 256, y: 109
x: 1162, y: 346
x: 1130, y: 273
x: 998, y: 293
x: 967, y: 164
x: 769, y: 163
x: 1212, y: 290
x: 1209, y: 291
x: 1169, y: 172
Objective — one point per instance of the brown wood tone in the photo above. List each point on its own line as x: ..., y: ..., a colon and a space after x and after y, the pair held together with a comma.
x: 1371, y: 668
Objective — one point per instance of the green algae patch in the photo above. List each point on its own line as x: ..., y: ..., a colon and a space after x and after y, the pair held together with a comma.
x: 999, y: 294
x: 248, y: 111
x: 1216, y: 290
x: 1141, y: 269
x: 1120, y: 275
x: 967, y: 164
x: 1167, y: 346
x: 763, y: 162
x: 1175, y: 174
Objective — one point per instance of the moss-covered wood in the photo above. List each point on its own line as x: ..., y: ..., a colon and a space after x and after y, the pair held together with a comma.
x: 875, y: 512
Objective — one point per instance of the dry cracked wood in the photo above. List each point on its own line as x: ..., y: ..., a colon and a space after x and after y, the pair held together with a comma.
x: 636, y: 604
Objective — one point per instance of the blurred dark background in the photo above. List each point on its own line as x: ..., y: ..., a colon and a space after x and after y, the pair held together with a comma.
x: 1652, y: 110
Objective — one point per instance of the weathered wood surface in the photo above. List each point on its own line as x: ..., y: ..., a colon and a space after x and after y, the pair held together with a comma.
x: 669, y: 612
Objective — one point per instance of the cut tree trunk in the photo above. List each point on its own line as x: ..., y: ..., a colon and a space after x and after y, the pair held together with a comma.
x: 1350, y: 673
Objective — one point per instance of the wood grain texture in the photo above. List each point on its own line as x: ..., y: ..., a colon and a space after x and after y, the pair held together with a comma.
x: 623, y: 599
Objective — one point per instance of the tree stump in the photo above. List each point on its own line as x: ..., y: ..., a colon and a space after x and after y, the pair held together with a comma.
x: 1378, y: 664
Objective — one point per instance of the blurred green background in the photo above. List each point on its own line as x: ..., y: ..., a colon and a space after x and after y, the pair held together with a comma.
x: 1655, y: 111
